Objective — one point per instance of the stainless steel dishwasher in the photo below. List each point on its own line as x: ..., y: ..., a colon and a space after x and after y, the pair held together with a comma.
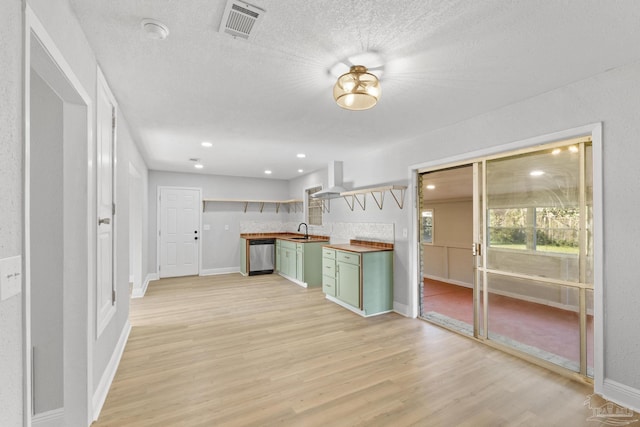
x: 261, y: 256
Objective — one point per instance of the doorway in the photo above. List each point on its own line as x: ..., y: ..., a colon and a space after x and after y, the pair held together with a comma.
x: 57, y: 242
x: 525, y: 276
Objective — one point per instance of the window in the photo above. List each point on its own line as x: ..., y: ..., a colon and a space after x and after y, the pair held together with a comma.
x: 542, y: 229
x: 427, y: 226
x: 314, y: 207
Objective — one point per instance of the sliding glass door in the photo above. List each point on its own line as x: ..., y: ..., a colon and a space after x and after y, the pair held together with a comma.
x: 530, y: 255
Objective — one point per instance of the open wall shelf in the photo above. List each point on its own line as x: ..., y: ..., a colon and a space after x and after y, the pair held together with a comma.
x: 377, y: 193
x: 294, y: 204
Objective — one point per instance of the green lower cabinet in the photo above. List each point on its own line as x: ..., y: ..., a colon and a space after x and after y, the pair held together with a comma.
x: 278, y: 246
x: 364, y: 281
x: 301, y: 262
x: 329, y: 271
x: 348, y: 283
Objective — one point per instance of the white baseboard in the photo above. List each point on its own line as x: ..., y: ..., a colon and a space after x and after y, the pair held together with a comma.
x: 294, y: 280
x: 216, y: 271
x: 621, y: 394
x: 100, y: 395
x: 139, y: 292
x: 52, y: 418
x: 353, y: 309
x: 402, y: 309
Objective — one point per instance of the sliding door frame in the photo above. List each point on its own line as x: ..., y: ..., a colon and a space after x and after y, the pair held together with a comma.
x: 592, y: 131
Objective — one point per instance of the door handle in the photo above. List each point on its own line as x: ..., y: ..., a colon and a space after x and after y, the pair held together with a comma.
x: 195, y: 238
x: 104, y: 221
x: 476, y: 249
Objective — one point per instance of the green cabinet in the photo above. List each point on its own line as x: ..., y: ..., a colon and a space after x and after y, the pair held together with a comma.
x: 278, y: 245
x: 329, y: 271
x: 288, y: 262
x: 362, y: 281
x: 348, y: 283
x: 301, y: 262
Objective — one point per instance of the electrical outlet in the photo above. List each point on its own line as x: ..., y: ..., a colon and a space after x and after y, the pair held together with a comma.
x: 10, y: 277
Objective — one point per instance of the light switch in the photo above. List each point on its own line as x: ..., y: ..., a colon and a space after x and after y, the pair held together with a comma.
x: 10, y: 277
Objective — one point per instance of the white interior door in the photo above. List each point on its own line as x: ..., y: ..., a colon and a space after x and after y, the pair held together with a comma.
x: 106, y: 131
x: 179, y: 232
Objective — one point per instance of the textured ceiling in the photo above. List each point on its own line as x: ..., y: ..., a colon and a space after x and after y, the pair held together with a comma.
x: 262, y: 101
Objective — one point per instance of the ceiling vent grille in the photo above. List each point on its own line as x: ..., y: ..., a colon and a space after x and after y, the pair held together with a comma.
x: 240, y: 19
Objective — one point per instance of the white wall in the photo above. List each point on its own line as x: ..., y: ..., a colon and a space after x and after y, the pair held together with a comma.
x: 11, y: 231
x: 220, y: 246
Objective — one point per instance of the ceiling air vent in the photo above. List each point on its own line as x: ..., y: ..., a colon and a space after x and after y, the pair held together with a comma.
x: 240, y: 19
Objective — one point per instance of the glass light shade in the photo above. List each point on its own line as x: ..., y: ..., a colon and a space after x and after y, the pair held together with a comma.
x: 357, y: 89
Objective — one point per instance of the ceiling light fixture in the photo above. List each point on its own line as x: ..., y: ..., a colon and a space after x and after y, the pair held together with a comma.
x: 198, y: 166
x: 357, y: 90
x: 207, y: 144
x: 431, y: 187
x: 268, y: 172
x: 153, y: 29
x: 300, y: 170
x: 536, y: 173
x: 301, y: 155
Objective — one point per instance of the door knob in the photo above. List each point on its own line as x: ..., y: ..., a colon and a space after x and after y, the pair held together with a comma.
x: 104, y: 221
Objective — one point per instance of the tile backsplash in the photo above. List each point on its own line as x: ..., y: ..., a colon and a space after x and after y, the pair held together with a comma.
x: 339, y: 232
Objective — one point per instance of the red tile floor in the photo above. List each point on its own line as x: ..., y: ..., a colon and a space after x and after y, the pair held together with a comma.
x: 539, y: 329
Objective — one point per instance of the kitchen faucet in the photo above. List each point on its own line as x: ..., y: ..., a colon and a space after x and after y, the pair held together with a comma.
x: 306, y: 229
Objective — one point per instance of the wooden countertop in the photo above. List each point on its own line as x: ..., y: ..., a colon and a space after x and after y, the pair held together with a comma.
x: 361, y: 246
x: 285, y: 236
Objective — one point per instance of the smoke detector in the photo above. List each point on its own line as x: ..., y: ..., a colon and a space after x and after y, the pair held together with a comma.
x: 240, y: 19
x: 154, y: 29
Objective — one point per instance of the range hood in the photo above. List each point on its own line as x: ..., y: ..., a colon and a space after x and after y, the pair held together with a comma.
x: 334, y: 189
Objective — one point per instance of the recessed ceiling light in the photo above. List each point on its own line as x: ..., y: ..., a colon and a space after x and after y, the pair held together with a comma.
x: 301, y: 155
x: 573, y: 148
x: 198, y: 166
x: 556, y: 151
x: 431, y: 187
x: 300, y: 170
x: 206, y: 144
x: 154, y: 29
x: 268, y: 172
x: 536, y: 173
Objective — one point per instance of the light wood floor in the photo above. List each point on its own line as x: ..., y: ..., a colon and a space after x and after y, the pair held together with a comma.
x: 260, y: 351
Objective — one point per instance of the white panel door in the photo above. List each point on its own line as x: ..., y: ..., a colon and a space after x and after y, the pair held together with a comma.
x: 179, y: 232
x: 106, y: 131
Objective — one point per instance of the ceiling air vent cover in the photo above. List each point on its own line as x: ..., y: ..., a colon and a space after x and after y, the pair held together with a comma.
x: 240, y: 19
